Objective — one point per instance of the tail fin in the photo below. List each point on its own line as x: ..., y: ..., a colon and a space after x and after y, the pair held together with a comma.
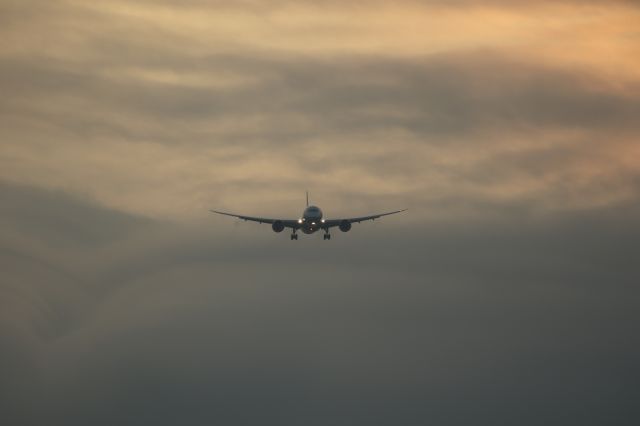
x: 307, y: 198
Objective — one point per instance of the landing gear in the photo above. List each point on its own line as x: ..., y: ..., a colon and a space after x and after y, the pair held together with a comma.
x: 294, y: 236
x: 327, y: 235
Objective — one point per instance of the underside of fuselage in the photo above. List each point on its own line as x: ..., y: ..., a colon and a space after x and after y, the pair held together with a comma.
x: 308, y: 228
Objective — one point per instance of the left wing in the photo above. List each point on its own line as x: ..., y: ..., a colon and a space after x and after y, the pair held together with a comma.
x: 289, y: 223
x: 336, y: 222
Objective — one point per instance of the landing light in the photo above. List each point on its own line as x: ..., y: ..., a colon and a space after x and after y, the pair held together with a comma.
x: 299, y: 220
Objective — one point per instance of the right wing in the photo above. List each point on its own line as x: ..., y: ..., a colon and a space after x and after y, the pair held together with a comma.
x: 288, y: 223
x: 336, y: 222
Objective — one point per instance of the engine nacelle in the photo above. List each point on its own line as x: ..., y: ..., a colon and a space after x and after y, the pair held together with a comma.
x: 277, y: 226
x: 345, y: 226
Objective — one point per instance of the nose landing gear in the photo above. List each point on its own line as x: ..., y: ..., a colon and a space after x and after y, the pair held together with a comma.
x: 294, y: 236
x: 327, y: 235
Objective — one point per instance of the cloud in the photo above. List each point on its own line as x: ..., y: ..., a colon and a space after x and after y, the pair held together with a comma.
x: 507, y: 293
x: 226, y: 106
x: 346, y: 120
x: 160, y: 322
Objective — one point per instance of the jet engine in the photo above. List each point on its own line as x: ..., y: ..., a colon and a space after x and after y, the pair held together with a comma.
x: 277, y: 226
x: 345, y: 225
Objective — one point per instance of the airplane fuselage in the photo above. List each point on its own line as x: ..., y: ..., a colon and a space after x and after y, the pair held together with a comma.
x: 311, y: 220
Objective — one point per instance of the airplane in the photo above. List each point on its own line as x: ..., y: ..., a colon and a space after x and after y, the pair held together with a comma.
x: 310, y: 222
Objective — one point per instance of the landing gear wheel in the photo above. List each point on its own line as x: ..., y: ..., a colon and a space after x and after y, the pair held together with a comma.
x: 294, y: 237
x: 327, y: 236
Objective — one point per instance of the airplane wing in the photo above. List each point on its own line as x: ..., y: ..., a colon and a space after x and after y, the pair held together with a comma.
x: 288, y: 223
x: 336, y: 222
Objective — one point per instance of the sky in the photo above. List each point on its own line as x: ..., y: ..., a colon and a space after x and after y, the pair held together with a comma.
x: 506, y: 294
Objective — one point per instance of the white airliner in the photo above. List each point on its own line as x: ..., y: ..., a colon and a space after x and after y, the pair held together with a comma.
x: 310, y: 222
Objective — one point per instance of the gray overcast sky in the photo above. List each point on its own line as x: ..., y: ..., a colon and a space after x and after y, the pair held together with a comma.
x: 507, y: 294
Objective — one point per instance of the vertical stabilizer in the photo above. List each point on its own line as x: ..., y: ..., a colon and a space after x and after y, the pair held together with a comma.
x: 307, y: 198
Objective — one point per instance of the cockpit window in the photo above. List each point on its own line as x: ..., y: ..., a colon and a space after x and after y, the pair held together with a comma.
x: 313, y: 211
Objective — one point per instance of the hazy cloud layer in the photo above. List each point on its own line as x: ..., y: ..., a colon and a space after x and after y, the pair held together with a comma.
x: 143, y: 322
x: 507, y: 295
